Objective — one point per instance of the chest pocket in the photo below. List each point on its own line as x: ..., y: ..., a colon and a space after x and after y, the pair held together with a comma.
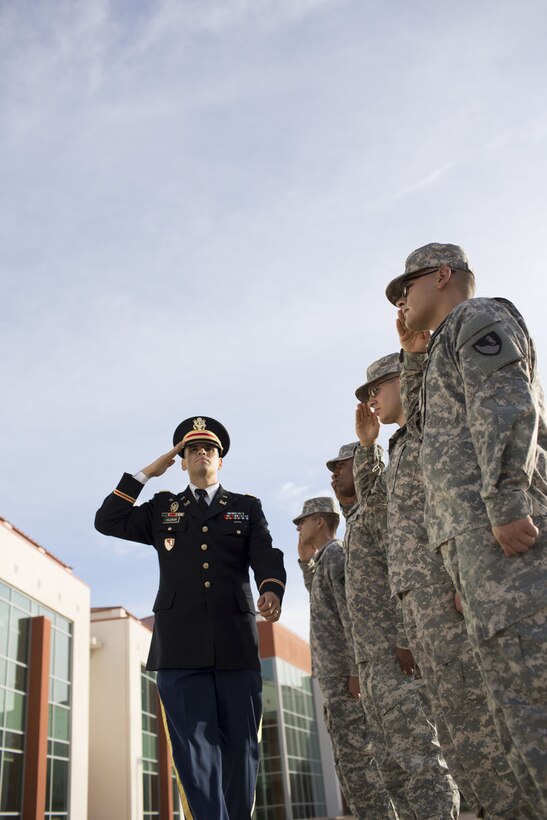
x: 235, y: 533
x: 170, y: 538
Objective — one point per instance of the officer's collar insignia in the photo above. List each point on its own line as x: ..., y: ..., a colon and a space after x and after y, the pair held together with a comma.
x: 200, y: 424
x: 169, y: 543
x: 174, y: 506
x: 222, y: 501
x: 186, y: 502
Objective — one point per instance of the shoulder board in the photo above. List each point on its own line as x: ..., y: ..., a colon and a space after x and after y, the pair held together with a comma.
x: 165, y: 492
x: 248, y: 495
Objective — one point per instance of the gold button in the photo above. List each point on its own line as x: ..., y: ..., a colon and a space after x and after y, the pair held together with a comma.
x: 207, y: 584
x: 239, y: 532
x: 206, y: 565
x: 169, y: 528
x: 205, y: 529
x: 204, y: 547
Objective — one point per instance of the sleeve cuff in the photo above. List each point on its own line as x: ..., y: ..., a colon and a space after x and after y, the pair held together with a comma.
x: 507, y: 507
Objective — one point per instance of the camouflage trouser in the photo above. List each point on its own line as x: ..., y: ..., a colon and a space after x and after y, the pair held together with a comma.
x: 405, y: 744
x: 513, y: 663
x: 438, y: 639
x: 357, y: 772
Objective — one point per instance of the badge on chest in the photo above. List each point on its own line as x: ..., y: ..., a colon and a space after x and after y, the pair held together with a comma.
x: 169, y: 543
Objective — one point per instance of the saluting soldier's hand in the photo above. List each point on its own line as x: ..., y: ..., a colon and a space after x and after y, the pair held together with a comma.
x: 161, y: 464
x: 367, y: 425
x: 517, y: 536
x: 413, y: 341
x: 305, y: 551
x: 269, y: 607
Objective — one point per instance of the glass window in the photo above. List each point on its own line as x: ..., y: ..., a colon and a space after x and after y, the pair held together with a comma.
x: 12, y: 781
x: 60, y: 660
x: 19, y: 636
x: 14, y: 711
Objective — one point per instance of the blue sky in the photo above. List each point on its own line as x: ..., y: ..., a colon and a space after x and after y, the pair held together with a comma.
x: 201, y: 204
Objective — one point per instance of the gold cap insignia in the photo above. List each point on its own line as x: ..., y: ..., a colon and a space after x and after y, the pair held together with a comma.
x: 200, y: 424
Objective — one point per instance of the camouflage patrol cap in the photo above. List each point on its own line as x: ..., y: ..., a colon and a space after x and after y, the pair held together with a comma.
x: 346, y: 451
x: 429, y: 256
x: 378, y: 372
x: 322, y: 504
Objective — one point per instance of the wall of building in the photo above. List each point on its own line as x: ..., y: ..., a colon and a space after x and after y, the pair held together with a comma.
x: 30, y: 569
x: 120, y: 646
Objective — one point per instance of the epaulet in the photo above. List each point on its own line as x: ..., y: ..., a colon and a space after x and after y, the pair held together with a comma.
x: 163, y: 492
x: 250, y: 496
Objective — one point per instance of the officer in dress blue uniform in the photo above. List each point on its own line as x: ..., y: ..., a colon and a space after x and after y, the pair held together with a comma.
x: 205, y: 641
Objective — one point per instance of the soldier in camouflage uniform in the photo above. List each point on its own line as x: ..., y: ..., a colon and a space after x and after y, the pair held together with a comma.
x: 404, y: 742
x: 321, y: 559
x: 435, y: 630
x: 483, y: 455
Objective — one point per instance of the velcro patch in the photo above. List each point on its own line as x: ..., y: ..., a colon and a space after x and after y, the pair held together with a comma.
x: 491, y: 348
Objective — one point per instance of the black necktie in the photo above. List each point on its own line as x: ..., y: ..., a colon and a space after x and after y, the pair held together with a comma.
x: 202, y: 494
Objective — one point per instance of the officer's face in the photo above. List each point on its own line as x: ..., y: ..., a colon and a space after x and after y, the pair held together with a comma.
x: 342, y: 480
x: 201, y: 461
x: 386, y: 402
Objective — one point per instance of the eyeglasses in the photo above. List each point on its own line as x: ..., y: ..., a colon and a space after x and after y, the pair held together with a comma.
x: 373, y: 391
x: 405, y: 286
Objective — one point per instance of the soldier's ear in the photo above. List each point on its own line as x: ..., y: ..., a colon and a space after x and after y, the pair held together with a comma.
x: 444, y: 275
x: 220, y: 463
x: 183, y: 464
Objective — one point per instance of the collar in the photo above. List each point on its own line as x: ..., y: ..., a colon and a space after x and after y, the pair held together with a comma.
x: 211, y: 490
x: 396, y: 436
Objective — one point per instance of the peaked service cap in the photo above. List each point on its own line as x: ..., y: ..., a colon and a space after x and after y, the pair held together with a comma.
x: 429, y: 256
x: 204, y: 430
x: 378, y: 372
x: 322, y: 504
x: 346, y: 451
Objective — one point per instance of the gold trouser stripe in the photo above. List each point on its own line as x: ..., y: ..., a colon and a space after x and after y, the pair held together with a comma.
x: 259, y: 737
x: 183, y: 799
x: 124, y: 496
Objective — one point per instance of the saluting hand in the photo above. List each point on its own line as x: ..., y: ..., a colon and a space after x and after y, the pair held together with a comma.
x: 413, y: 341
x: 517, y: 536
x: 367, y: 425
x: 161, y: 464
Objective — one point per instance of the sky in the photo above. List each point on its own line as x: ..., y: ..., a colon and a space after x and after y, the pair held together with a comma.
x: 202, y: 202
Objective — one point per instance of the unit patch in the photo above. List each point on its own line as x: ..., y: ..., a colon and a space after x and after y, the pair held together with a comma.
x: 488, y: 345
x: 169, y: 543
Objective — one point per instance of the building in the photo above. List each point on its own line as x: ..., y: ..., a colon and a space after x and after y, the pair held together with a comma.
x: 296, y: 778
x: 77, y: 705
x: 130, y: 771
x: 44, y: 682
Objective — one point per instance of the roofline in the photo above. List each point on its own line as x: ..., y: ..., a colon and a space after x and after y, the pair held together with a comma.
x: 9, y: 526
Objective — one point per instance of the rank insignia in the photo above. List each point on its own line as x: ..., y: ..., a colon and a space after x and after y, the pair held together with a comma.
x: 169, y: 543
x: 200, y: 424
x: 174, y: 506
x: 221, y: 501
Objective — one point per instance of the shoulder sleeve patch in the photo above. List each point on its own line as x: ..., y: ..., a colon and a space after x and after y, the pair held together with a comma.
x: 491, y: 348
